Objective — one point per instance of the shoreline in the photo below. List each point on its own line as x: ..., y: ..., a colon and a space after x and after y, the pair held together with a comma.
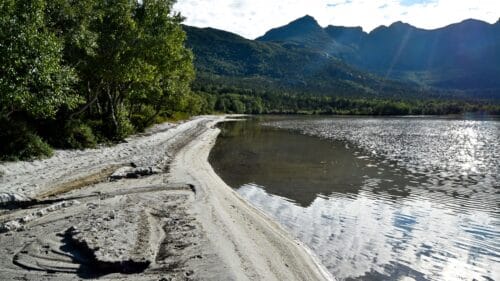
x: 209, y: 232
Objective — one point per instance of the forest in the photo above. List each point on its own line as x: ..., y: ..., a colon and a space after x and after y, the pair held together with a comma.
x: 248, y: 101
x: 74, y: 74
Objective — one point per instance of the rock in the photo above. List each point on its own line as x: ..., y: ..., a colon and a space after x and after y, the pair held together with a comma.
x: 19, y: 223
x: 134, y: 172
x: 10, y: 226
x: 146, y: 171
x: 120, y: 173
x: 7, y: 198
x: 92, y: 205
x: 70, y: 203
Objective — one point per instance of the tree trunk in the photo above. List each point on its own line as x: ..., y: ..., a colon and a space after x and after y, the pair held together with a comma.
x: 99, y: 107
x: 111, y: 111
x: 85, y: 107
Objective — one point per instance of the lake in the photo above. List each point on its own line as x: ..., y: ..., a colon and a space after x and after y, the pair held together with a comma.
x: 403, y: 198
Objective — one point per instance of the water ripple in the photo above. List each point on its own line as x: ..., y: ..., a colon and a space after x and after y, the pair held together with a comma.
x: 377, y: 199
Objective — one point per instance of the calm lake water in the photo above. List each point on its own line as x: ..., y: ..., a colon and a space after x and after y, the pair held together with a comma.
x: 375, y: 198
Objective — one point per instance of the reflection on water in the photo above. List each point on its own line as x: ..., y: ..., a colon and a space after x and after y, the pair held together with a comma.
x: 382, y: 199
x: 369, y: 238
x: 460, y: 158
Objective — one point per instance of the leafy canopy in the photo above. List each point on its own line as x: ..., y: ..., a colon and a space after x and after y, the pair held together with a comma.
x: 33, y: 79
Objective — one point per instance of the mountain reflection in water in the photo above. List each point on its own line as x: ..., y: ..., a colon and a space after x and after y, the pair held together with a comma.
x: 382, y: 199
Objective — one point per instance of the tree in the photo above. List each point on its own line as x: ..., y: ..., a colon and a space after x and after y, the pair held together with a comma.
x: 164, y: 57
x: 33, y: 80
x: 139, y: 65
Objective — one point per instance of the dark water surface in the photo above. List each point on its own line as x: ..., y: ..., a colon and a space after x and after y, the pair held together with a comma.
x: 375, y: 198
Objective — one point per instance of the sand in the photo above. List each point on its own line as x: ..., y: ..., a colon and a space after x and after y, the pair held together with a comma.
x: 66, y: 218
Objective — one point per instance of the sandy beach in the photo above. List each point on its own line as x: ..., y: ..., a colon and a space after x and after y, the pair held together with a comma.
x: 150, y: 208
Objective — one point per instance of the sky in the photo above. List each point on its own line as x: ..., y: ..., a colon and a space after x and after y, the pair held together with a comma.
x: 252, y: 18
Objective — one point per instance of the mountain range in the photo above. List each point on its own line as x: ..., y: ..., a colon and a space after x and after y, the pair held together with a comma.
x: 396, y: 60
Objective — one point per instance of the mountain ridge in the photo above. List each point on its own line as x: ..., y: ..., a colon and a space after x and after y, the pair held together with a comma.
x: 393, y: 60
x: 309, y: 17
x: 463, y: 55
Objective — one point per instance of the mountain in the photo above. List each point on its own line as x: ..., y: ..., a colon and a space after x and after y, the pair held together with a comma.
x: 461, y: 59
x: 306, y: 32
x: 224, y: 58
x: 464, y: 56
x: 350, y: 36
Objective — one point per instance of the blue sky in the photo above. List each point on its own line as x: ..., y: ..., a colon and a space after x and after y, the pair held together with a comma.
x: 252, y: 18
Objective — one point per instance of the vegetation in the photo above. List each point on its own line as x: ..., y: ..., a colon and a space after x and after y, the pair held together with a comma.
x: 234, y: 100
x: 238, y: 75
x: 223, y: 58
x: 298, y: 67
x: 73, y: 73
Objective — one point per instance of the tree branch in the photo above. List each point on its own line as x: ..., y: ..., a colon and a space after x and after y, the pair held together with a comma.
x: 85, y: 107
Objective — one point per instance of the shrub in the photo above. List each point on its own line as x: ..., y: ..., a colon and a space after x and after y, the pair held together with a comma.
x: 80, y: 136
x: 19, y: 142
x: 125, y: 127
x: 144, y: 118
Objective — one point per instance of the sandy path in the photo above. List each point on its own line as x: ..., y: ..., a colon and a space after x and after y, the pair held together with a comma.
x: 35, y: 177
x: 184, y: 223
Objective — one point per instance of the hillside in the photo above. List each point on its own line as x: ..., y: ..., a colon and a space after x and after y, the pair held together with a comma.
x: 463, y: 56
x: 228, y: 59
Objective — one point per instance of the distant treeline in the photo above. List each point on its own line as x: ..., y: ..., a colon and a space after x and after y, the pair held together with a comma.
x: 234, y: 100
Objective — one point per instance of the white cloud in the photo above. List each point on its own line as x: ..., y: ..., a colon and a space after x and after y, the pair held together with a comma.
x: 252, y: 18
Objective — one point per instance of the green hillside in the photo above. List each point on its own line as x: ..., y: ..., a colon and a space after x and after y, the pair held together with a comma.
x: 223, y: 58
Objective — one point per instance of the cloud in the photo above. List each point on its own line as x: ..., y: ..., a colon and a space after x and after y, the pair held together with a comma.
x: 415, y: 2
x: 340, y: 3
x: 252, y: 18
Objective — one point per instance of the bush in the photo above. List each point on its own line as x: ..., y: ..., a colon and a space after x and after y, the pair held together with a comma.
x: 118, y: 131
x: 79, y: 136
x: 19, y: 142
x: 144, y: 118
x: 34, y: 147
x: 125, y: 127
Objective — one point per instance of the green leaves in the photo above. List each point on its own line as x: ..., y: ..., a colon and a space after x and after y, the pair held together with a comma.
x: 163, y: 63
x: 32, y: 77
x: 117, y: 64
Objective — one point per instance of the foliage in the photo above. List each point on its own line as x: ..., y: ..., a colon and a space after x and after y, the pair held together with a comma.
x: 33, y: 79
x: 79, y: 136
x: 19, y: 142
x: 99, y: 69
x: 249, y: 101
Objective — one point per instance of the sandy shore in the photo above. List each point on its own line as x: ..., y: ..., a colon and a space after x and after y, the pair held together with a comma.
x: 148, y: 209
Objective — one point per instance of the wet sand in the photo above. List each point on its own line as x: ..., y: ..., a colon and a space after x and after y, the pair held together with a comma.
x: 169, y: 217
